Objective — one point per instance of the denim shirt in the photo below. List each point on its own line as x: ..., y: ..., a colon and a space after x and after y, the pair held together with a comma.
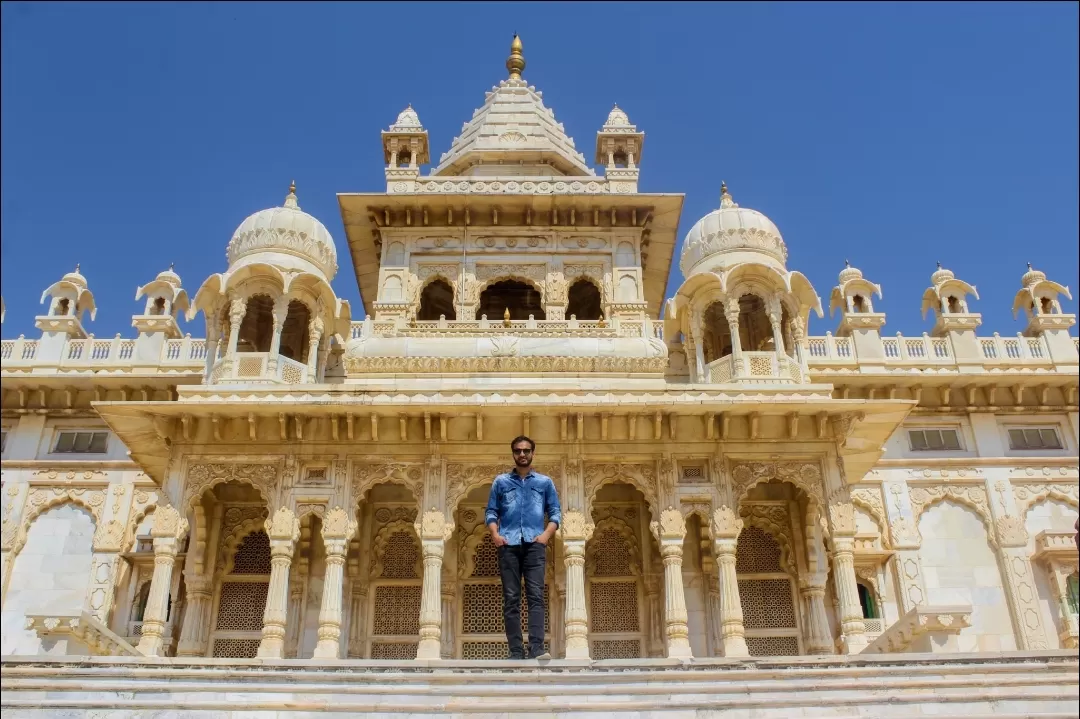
x: 519, y: 505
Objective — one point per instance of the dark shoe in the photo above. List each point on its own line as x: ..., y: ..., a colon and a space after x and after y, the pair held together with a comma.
x: 515, y: 657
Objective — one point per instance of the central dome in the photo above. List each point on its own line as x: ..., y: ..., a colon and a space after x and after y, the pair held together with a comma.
x: 731, y: 234
x: 285, y: 237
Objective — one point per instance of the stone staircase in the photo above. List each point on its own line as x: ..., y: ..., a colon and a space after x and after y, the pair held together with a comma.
x: 1018, y: 684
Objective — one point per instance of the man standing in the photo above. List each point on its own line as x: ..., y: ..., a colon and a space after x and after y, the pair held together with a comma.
x: 516, y: 508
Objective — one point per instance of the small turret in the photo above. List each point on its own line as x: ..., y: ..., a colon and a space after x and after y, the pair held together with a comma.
x: 1038, y: 298
x: 947, y: 297
x: 405, y: 149
x: 618, y: 151
x: 853, y: 297
x: 69, y: 301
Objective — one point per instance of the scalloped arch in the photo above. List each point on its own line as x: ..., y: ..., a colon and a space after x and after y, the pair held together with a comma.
x: 633, y: 478
x: 779, y: 535
x: 961, y: 500
x: 1043, y: 494
x: 36, y: 511
x: 626, y: 532
x: 378, y: 547
x: 227, y: 553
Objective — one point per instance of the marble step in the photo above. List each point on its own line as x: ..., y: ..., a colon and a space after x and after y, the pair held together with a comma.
x: 1017, y: 684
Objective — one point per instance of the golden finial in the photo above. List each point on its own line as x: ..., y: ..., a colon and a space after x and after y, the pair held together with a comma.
x: 506, y: 317
x: 292, y: 187
x: 516, y: 62
x: 602, y: 322
x: 723, y: 187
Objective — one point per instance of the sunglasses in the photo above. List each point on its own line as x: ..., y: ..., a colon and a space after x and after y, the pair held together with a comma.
x: 522, y: 451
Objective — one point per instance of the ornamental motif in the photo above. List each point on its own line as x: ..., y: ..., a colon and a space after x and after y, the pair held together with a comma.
x: 726, y: 523
x: 281, y: 239
x: 433, y: 526
x: 869, y: 498
x: 642, y: 476
x: 109, y: 537
x: 576, y: 526
x: 1011, y: 531
x: 460, y: 478
x: 283, y: 525
x: 366, y: 476
x: 204, y: 476
x: 973, y: 497
x: 672, y: 525
x: 1027, y: 494
x: 338, y: 525
x: 804, y: 475
x: 168, y: 524
x: 469, y: 365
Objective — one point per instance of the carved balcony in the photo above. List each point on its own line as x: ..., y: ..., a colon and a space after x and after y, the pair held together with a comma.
x: 756, y: 368
x: 258, y: 368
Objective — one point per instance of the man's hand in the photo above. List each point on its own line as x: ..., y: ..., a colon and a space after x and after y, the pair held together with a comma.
x: 544, y: 538
x: 497, y: 539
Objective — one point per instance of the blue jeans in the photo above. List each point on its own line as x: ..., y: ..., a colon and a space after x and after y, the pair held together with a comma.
x: 515, y: 562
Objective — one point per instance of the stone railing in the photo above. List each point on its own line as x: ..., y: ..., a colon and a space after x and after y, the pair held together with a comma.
x: 925, y: 629
x: 256, y: 367
x: 116, y: 353
x: 757, y: 367
x: 84, y: 635
x: 929, y: 351
x: 615, y: 327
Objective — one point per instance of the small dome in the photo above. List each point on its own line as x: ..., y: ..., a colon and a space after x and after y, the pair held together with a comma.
x: 849, y: 273
x: 286, y: 232
x: 617, y: 117
x: 407, y: 119
x: 168, y: 276
x: 732, y: 229
x: 1032, y: 277
x: 75, y: 278
x: 941, y: 275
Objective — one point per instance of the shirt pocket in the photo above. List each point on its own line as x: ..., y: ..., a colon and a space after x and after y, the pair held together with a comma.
x: 536, y: 499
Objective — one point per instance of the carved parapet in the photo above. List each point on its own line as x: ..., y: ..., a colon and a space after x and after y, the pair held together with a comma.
x: 1056, y: 547
x: 926, y: 628
x: 81, y: 629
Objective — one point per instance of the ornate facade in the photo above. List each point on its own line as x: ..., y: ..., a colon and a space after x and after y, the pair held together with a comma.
x: 308, y: 480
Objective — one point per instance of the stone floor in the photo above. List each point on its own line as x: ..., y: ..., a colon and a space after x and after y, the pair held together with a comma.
x: 1015, y: 684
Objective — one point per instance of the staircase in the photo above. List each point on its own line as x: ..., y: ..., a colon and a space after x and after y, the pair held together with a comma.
x: 1018, y: 684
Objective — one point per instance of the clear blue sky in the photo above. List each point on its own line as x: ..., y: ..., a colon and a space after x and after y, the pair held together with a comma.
x: 896, y: 135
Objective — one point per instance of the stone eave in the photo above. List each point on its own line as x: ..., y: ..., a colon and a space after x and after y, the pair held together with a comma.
x: 147, y: 428
x: 89, y: 379
x: 660, y: 211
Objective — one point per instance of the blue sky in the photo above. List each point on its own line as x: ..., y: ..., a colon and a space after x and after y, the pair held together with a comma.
x: 894, y: 135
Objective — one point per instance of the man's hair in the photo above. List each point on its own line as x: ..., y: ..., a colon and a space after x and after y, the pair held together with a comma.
x: 523, y: 438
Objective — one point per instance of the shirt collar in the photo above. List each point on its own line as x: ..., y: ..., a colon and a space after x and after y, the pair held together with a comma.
x: 514, y: 475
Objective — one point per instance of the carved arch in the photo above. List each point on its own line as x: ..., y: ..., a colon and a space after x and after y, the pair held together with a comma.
x: 538, y: 285
x: 1028, y: 496
x: 759, y: 516
x: 467, y: 553
x: 40, y: 506
x: 368, y: 476
x: 628, y: 535
x: 227, y: 552
x: 463, y: 478
x: 871, y: 504
x: 803, y: 475
x: 202, y: 477
x: 378, y: 547
x: 641, y: 477
x: 974, y: 498
x: 133, y: 525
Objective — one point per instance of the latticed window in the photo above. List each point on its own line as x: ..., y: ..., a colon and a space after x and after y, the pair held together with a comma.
x: 400, y: 556
x: 241, y: 600
x: 767, y: 595
x: 615, y: 618
x: 253, y: 555
x: 486, y: 562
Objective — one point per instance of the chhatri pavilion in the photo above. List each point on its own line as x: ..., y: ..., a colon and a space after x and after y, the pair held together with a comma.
x: 286, y: 515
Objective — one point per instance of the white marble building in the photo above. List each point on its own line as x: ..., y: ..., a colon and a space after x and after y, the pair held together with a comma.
x: 307, y: 482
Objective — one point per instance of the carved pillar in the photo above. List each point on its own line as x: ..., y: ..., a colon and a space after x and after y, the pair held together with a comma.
x: 1059, y: 578
x: 298, y: 578
x: 853, y: 631
x: 671, y: 531
x: 213, y: 331
x: 195, y: 633
x: 731, y: 313
x: 101, y: 590
x: 775, y: 317
x: 237, y: 310
x: 433, y: 530
x: 1019, y: 580
x: 711, y: 581
x: 575, y: 531
x: 726, y: 527
x: 337, y: 530
x: 818, y: 637
x: 357, y: 607
x: 697, y: 336
x: 283, y: 529
x: 281, y: 312
x: 906, y: 542
x: 654, y: 612
x: 449, y: 595
x: 168, y: 531
x: 798, y: 335
x: 315, y: 332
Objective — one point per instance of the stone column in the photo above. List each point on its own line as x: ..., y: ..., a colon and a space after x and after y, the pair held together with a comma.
x: 575, y: 531
x: 281, y: 312
x: 655, y: 616
x: 1059, y: 585
x: 195, y: 633
x: 337, y: 530
x: 697, y: 336
x: 906, y: 542
x: 775, y: 317
x: 357, y: 615
x: 168, y: 531
x: 797, y: 336
x: 101, y: 590
x: 298, y: 578
x: 315, y: 332
x: 731, y: 313
x: 671, y: 531
x: 433, y: 530
x: 818, y: 636
x: 726, y: 527
x: 449, y: 594
x: 1012, y: 544
x: 237, y: 310
x: 284, y: 529
x: 853, y: 631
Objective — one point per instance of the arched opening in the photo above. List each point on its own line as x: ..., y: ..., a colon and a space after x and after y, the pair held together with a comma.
x: 294, y: 333
x: 1046, y: 306
x: 954, y: 305
x: 138, y: 607
x: 404, y: 158
x: 858, y: 304
x: 620, y: 158
x: 395, y: 254
x: 867, y: 602
x: 518, y: 297
x: 158, y: 308
x: 257, y: 327
x: 437, y: 300
x: 624, y: 255
x: 63, y: 306
x: 716, y: 340
x: 755, y: 331
x: 583, y: 301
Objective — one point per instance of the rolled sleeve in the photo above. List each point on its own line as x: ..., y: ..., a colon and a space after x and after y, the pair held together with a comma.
x: 491, y: 514
x: 554, y: 511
